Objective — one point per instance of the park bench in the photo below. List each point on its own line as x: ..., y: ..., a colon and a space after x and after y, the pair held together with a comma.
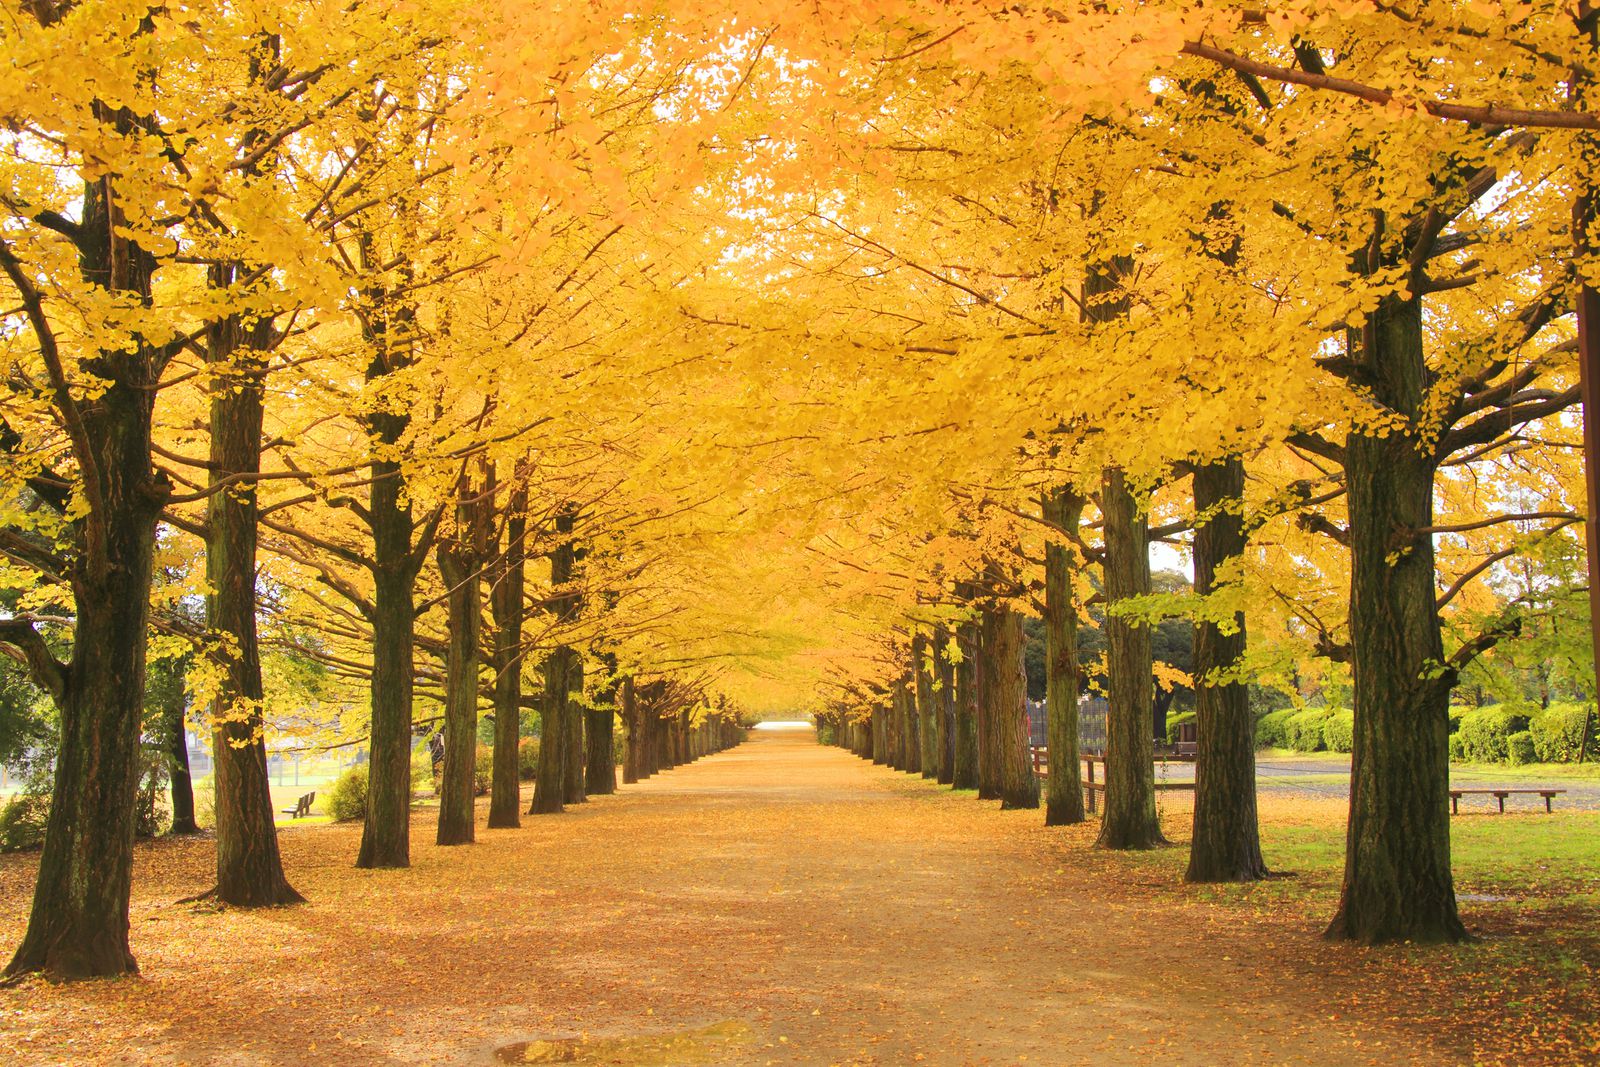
x: 1499, y: 795
x: 301, y: 806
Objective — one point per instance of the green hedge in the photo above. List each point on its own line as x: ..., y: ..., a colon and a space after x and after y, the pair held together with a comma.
x: 1303, y: 731
x: 1270, y: 728
x: 1558, y: 733
x: 1339, y: 731
x: 1485, y: 733
x: 1519, y: 748
x: 528, y: 758
x: 346, y: 799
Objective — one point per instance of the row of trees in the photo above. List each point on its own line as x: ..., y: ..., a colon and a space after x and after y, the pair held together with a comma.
x: 728, y: 348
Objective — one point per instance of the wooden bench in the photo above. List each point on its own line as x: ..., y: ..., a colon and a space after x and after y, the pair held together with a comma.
x: 301, y: 806
x: 1500, y: 795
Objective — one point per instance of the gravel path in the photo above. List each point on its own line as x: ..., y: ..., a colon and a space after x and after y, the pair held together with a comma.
x: 780, y: 903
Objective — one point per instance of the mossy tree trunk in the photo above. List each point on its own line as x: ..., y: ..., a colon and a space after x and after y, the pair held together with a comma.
x: 600, y: 770
x: 1063, y: 509
x: 249, y: 867
x: 1226, y: 842
x: 964, y: 754
x: 927, y: 712
x: 460, y: 565
x: 505, y: 659
x: 78, y: 925
x: 633, y: 754
x: 945, y: 706
x: 1008, y: 696
x: 555, y: 718
x: 1130, y: 809
x: 986, y: 678
x: 1397, y: 878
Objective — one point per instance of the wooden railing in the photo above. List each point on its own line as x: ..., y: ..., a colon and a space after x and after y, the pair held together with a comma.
x: 1041, y: 767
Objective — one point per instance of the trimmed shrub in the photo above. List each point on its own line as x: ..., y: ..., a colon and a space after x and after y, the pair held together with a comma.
x: 346, y: 800
x: 1175, y: 721
x: 1484, y: 733
x: 1270, y: 728
x: 22, y: 821
x: 1339, y: 731
x: 1519, y: 748
x: 1458, y: 753
x: 1558, y: 733
x: 528, y: 758
x: 1456, y: 715
x: 1303, y: 731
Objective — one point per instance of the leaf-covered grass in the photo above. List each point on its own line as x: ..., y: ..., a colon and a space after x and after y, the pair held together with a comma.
x: 1526, y: 990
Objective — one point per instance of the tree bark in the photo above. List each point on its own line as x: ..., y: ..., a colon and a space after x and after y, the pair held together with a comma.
x: 1063, y: 509
x: 458, y: 566
x: 600, y: 773
x: 1130, y: 810
x: 573, y: 731
x: 166, y: 693
x: 927, y: 715
x: 505, y: 603
x: 78, y: 925
x: 1397, y: 878
x: 555, y: 717
x: 632, y: 725
x: 986, y: 677
x: 945, y: 701
x: 1018, y: 786
x: 249, y: 867
x: 1226, y: 841
x: 964, y: 769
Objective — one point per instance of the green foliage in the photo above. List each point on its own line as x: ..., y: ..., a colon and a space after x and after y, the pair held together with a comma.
x: 1339, y: 730
x: 1458, y: 752
x: 1270, y: 728
x: 1519, y: 748
x: 1485, y: 732
x: 23, y: 819
x: 346, y: 799
x: 528, y: 758
x: 1557, y: 733
x: 1303, y: 730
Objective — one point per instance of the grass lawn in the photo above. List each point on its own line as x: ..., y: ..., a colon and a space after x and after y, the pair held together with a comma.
x: 1529, y: 890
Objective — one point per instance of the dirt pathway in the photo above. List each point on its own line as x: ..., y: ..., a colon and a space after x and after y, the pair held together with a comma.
x: 807, y: 907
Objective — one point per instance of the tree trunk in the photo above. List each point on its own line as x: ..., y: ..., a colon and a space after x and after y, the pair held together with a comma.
x: 631, y: 723
x: 945, y: 707
x: 386, y: 832
x: 600, y: 773
x: 880, y: 734
x: 549, y: 787
x: 913, y: 725
x: 1130, y: 809
x: 986, y: 678
x: 505, y: 602
x: 1397, y: 878
x: 964, y: 769
x: 1226, y: 842
x: 249, y: 866
x: 927, y: 715
x: 1063, y: 509
x: 1019, y: 787
x: 78, y: 925
x: 166, y: 691
x: 576, y: 751
x: 457, y: 808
